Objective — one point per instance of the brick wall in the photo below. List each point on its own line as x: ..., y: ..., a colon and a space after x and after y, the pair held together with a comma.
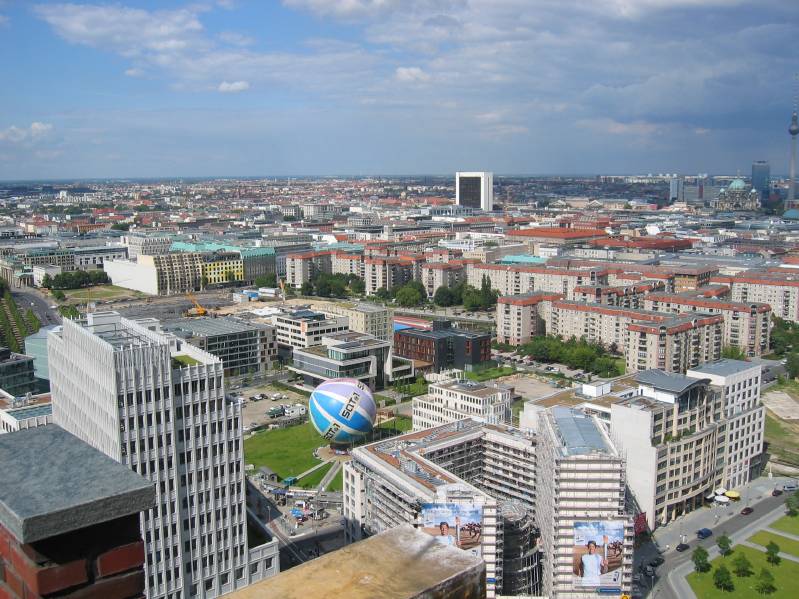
x: 104, y: 561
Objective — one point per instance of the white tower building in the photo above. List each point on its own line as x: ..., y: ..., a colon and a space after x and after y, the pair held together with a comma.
x: 475, y: 190
x: 794, y: 131
x: 157, y: 404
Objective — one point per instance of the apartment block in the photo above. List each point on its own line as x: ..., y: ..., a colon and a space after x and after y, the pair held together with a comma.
x: 778, y: 290
x: 442, y: 274
x: 741, y: 438
x: 347, y: 264
x: 387, y: 273
x: 443, y: 348
x: 157, y: 405
x: 515, y: 280
x: 363, y: 317
x: 519, y: 318
x: 623, y: 296
x: 582, y: 477
x: 674, y: 345
x: 151, y: 245
x: 222, y: 267
x: 453, y: 400
x: 301, y: 268
x: 93, y: 258
x: 746, y: 325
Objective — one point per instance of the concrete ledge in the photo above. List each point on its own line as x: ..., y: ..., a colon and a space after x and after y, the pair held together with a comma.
x: 401, y: 563
x: 53, y: 483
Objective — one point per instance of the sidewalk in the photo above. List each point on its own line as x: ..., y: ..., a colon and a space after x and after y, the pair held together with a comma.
x: 714, y: 517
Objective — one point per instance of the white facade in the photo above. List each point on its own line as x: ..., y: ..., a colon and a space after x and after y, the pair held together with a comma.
x: 147, y: 245
x: 157, y: 404
x: 449, y: 401
x: 305, y: 329
x: 133, y: 275
x: 746, y: 417
x: 486, y: 190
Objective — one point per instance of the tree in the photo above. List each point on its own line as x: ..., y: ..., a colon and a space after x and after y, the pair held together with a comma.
x: 307, y: 288
x: 773, y: 553
x: 47, y: 281
x: 120, y: 226
x: 444, y: 297
x: 357, y: 286
x: 471, y: 299
x: 792, y: 364
x: 230, y: 276
x: 488, y: 297
x: 267, y: 280
x: 383, y: 294
x: 724, y: 544
x: 722, y: 579
x: 699, y: 557
x: 765, y: 582
x: 733, y: 352
x: 741, y: 566
x: 408, y: 296
x: 792, y: 503
x: 59, y: 295
x: 203, y: 281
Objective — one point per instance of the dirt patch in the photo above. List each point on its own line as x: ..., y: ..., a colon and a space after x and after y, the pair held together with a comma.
x: 782, y: 404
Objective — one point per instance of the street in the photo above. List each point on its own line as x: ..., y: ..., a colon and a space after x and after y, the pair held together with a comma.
x: 721, y: 520
x: 27, y: 297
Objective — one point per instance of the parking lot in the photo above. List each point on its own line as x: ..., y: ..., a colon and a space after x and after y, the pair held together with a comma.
x: 254, y: 412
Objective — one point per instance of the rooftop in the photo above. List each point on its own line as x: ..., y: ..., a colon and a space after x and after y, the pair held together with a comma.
x: 91, y: 487
x: 671, y: 382
x: 472, y: 387
x: 579, y: 432
x: 210, y: 327
x: 724, y: 367
x: 379, y: 567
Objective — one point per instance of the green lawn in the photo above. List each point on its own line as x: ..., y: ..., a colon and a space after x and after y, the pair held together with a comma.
x: 401, y: 423
x: 314, y: 478
x: 787, y: 545
x: 100, y: 292
x: 787, y: 524
x: 490, y: 373
x: 785, y: 576
x: 185, y: 360
x: 287, y: 451
x: 621, y: 365
x: 337, y: 484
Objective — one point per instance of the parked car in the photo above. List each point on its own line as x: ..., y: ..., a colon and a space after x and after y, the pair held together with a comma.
x: 656, y: 561
x: 791, y: 486
x: 704, y: 533
x: 649, y: 571
x: 683, y: 547
x: 776, y: 492
x: 746, y: 511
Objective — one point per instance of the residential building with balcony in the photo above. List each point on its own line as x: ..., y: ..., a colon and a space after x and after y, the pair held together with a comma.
x: 305, y: 328
x: 452, y: 400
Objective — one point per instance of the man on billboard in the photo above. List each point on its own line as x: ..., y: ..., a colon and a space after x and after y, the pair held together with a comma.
x: 597, y: 553
x: 455, y: 525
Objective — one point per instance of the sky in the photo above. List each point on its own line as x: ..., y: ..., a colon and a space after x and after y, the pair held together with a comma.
x: 368, y: 87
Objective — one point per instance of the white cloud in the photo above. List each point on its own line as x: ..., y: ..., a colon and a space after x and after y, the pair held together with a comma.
x: 236, y: 39
x: 134, y: 72
x: 3, y: 20
x: 614, y: 127
x: 411, y: 75
x: 35, y: 131
x: 234, y: 87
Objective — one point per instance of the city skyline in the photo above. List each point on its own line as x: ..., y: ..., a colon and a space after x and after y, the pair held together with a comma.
x: 236, y: 88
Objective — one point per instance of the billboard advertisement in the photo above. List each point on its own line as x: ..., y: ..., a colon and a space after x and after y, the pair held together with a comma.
x: 597, y: 553
x: 456, y: 524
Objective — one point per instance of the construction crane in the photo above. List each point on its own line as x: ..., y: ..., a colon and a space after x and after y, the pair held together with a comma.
x: 197, y: 310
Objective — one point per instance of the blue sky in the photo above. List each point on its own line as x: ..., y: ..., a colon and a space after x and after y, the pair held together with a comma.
x: 267, y: 87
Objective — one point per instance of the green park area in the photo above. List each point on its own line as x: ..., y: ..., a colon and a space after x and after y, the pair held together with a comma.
x: 337, y: 484
x: 764, y: 537
x: 100, y: 292
x: 490, y: 373
x: 287, y: 451
x: 789, y: 524
x: 399, y: 423
x: 785, y: 574
x: 314, y: 478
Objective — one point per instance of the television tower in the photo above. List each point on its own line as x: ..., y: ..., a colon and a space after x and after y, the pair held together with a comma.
x: 794, y: 131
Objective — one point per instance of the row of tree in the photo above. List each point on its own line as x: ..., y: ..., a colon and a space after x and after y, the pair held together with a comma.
x: 574, y: 353
x: 75, y: 279
x: 337, y: 285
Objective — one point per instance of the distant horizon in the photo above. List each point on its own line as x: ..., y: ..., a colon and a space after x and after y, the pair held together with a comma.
x: 773, y: 177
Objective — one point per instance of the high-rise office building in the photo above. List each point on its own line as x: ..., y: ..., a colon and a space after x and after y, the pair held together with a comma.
x: 475, y: 190
x: 676, y: 185
x: 157, y: 404
x: 761, y: 178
